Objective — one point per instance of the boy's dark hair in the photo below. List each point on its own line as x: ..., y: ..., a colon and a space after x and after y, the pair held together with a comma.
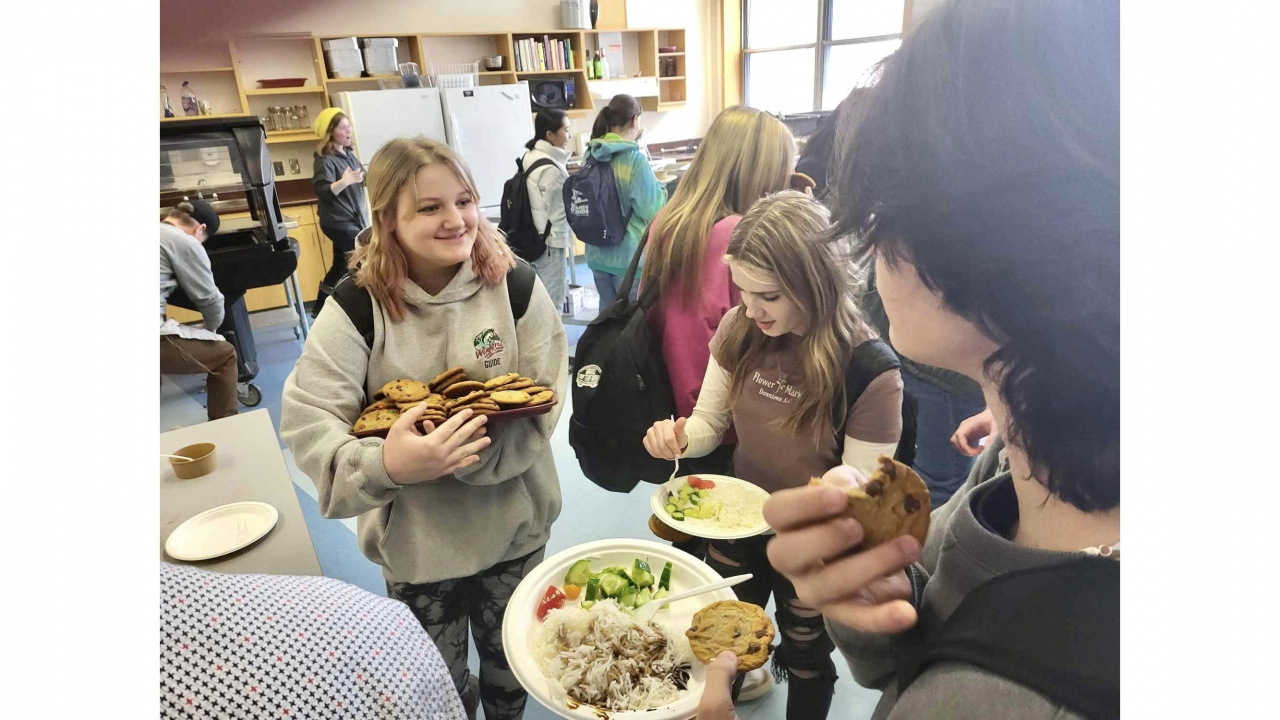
x: 988, y: 156
x: 548, y: 120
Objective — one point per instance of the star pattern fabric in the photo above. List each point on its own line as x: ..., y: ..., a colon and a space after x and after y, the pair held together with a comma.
x: 278, y: 646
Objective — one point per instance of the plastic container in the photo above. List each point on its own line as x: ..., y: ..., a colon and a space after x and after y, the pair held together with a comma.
x: 347, y: 43
x: 455, y: 75
x: 379, y: 42
x: 381, y: 60
x: 190, y: 106
x: 347, y: 63
x: 164, y: 102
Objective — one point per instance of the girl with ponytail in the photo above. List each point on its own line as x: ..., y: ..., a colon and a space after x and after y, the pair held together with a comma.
x: 614, y: 138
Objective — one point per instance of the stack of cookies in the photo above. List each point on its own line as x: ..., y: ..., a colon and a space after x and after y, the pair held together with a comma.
x: 448, y: 394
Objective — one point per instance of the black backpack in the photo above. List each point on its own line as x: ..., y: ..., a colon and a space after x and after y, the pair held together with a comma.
x: 871, y: 359
x: 517, y: 215
x: 358, y: 303
x: 620, y: 389
x: 1053, y: 629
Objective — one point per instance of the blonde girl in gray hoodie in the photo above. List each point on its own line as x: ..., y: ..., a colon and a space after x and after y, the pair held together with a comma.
x: 457, y: 515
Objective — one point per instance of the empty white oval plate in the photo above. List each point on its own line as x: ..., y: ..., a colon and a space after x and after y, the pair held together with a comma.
x: 221, y: 530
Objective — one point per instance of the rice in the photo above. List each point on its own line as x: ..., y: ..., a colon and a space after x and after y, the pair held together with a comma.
x: 603, y: 657
x: 739, y: 507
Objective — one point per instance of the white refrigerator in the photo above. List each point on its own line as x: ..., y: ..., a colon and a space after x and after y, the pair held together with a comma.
x: 489, y: 126
x: 378, y: 116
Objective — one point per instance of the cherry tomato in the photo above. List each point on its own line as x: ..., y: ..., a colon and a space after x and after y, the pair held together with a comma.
x: 552, y: 600
x: 572, y: 591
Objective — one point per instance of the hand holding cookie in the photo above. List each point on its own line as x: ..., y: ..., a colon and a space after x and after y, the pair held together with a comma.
x: 411, y: 456
x: 867, y: 591
x: 717, y: 700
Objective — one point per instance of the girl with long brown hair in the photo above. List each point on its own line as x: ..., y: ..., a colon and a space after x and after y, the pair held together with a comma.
x: 458, y: 514
x: 778, y: 369
x: 746, y: 155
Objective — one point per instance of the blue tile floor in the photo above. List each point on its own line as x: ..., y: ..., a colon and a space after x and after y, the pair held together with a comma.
x: 589, y: 513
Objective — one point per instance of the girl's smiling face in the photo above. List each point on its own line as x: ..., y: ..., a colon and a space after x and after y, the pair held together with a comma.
x: 436, y: 222
x: 764, y: 302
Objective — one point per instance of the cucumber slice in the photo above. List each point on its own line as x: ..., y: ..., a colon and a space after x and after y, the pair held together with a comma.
x: 628, y: 597
x: 660, y: 594
x: 664, y: 582
x: 641, y: 575
x: 643, y: 597
x: 612, y: 585
x: 671, y: 508
x: 592, y: 592
x: 677, y: 515
x: 580, y: 573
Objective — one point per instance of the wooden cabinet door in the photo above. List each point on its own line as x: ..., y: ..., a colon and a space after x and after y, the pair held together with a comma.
x: 311, y: 267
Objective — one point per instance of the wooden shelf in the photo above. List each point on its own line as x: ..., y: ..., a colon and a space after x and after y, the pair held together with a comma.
x: 302, y: 90
x: 673, y: 77
x: 546, y: 72
x: 192, y: 71
x: 497, y: 72
x: 215, y: 116
x: 674, y: 54
x: 291, y: 136
x: 664, y: 106
x: 371, y: 78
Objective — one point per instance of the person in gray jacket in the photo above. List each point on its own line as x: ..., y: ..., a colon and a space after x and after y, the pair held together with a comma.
x: 338, y: 180
x: 456, y: 515
x: 983, y: 178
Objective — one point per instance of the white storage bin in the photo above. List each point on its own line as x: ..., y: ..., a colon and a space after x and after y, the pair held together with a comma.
x: 341, y: 44
x: 381, y: 60
x: 344, y: 63
x: 380, y: 42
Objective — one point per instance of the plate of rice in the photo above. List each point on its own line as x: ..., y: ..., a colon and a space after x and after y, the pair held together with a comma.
x: 599, y: 662
x: 728, y: 510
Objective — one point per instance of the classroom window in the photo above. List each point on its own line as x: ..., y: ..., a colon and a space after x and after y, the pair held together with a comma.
x: 806, y: 55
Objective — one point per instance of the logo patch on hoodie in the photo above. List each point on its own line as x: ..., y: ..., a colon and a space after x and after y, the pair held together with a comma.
x: 488, y: 346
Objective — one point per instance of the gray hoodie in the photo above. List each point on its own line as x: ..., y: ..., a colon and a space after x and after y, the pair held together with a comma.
x: 498, y: 509
x: 960, y: 553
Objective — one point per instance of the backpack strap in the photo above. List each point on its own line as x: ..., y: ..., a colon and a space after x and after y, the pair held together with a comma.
x: 529, y: 173
x: 358, y: 303
x: 520, y: 288
x: 1053, y: 629
x: 870, y: 360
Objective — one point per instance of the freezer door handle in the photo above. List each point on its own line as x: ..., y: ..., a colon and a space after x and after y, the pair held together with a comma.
x: 455, y: 133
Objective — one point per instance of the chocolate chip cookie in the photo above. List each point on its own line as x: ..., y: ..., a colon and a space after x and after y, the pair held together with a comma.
x: 731, y: 625
x: 406, y: 390
x: 894, y: 502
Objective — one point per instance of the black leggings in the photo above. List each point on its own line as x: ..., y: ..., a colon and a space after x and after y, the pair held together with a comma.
x: 803, y: 655
x: 344, y: 241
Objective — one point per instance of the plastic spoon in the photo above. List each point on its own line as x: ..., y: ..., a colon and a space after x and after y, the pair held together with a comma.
x: 653, y: 606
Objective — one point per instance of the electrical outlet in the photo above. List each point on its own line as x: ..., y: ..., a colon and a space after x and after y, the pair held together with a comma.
x: 294, y: 167
x: 278, y: 167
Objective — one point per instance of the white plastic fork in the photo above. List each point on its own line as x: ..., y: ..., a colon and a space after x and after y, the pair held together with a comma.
x: 647, y: 611
x: 676, y: 471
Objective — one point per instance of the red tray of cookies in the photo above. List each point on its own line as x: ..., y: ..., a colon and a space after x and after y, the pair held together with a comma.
x: 502, y: 398
x: 500, y: 416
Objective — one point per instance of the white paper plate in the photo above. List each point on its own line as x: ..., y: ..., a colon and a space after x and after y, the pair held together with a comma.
x: 520, y: 623
x: 221, y: 531
x: 704, y: 528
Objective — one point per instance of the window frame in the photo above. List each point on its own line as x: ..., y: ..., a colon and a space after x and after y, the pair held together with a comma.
x: 821, y: 44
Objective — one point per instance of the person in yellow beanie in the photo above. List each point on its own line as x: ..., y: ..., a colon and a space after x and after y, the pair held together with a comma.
x: 338, y: 179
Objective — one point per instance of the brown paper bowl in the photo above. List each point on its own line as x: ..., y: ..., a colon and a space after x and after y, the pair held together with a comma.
x: 204, y: 459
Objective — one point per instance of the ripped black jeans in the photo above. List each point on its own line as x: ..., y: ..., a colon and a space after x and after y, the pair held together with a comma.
x: 802, y: 657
